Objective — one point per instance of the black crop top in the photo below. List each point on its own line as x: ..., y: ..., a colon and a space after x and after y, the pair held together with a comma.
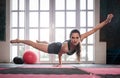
x: 70, y: 52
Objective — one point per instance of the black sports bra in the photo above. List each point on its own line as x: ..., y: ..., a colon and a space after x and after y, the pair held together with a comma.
x: 70, y: 52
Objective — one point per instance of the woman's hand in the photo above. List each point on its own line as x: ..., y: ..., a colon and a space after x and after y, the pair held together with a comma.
x: 58, y: 65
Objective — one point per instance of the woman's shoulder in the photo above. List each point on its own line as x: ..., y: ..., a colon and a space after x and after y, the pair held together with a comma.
x: 65, y: 46
x: 65, y: 43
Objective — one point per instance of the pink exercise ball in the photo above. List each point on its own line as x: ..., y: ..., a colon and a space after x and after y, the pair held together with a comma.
x: 29, y: 57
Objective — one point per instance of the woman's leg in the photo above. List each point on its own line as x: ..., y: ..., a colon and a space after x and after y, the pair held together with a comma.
x: 40, y: 46
x: 41, y: 41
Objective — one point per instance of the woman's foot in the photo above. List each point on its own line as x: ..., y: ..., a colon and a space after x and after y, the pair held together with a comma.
x: 14, y: 41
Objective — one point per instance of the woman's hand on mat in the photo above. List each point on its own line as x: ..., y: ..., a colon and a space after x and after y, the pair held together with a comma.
x: 58, y: 65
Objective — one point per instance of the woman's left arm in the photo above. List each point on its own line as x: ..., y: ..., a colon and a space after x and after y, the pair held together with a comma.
x: 97, y: 27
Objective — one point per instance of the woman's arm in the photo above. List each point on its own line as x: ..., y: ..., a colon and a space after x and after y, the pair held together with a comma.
x: 59, y: 57
x: 60, y: 61
x: 97, y: 27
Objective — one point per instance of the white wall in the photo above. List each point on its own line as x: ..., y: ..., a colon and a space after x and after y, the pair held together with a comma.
x: 100, y: 50
x: 4, y: 45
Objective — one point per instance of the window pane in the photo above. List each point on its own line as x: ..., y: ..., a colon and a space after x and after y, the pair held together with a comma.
x: 84, y: 41
x: 33, y: 4
x: 44, y: 35
x: 33, y: 34
x: 14, y: 4
x: 21, y: 33
x: 90, y: 38
x: 14, y: 33
x: 21, y: 50
x: 59, y: 35
x: 44, y: 56
x: 90, y: 19
x: 33, y: 19
x: 83, y: 30
x: 59, y: 4
x: 71, y: 4
x: 44, y: 4
x: 71, y: 57
x: 68, y: 34
x: 83, y: 53
x: 22, y: 4
x: 44, y: 19
x: 82, y: 19
x: 14, y: 19
x: 90, y: 53
x: 33, y: 49
x: 82, y: 4
x: 90, y: 4
x: 71, y: 20
x: 59, y: 19
x: 21, y: 19
x: 14, y: 52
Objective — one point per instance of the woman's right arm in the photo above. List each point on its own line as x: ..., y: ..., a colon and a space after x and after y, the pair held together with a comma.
x: 97, y: 27
x: 63, y: 51
x: 59, y: 57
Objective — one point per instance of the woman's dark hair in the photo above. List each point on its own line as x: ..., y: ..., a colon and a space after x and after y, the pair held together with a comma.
x: 74, y: 31
x: 78, y: 47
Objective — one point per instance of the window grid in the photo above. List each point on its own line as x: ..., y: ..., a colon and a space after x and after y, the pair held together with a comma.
x: 26, y: 28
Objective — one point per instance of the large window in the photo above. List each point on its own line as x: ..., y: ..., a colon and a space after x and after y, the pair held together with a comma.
x: 51, y: 20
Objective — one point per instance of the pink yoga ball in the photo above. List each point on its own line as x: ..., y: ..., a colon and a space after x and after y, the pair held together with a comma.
x: 29, y: 57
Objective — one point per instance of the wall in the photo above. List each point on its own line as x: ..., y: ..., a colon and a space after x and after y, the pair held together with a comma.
x: 100, y: 50
x: 2, y: 19
x: 4, y: 45
x: 111, y: 33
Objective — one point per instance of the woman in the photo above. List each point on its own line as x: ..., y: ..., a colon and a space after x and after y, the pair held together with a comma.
x: 69, y: 46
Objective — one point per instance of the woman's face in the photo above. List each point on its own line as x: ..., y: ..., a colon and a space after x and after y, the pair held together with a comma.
x: 75, y: 38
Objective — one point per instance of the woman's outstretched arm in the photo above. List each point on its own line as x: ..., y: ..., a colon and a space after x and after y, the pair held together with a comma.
x: 97, y: 27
